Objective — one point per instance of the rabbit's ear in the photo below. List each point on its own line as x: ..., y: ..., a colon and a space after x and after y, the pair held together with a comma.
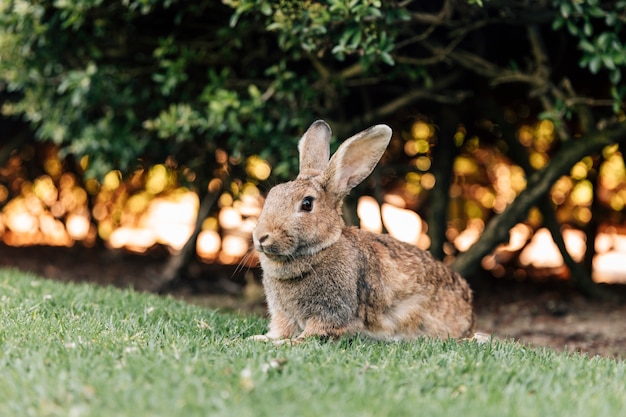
x: 314, y: 149
x: 356, y: 158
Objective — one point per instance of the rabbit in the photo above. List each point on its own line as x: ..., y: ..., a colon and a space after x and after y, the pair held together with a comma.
x: 324, y: 279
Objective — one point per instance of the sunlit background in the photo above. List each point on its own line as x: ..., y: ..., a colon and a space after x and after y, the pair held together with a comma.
x: 151, y: 207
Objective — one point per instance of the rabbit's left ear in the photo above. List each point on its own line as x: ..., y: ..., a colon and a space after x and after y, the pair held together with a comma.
x: 356, y: 158
x: 314, y: 149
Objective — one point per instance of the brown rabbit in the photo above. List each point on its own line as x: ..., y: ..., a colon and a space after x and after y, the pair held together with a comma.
x: 322, y: 278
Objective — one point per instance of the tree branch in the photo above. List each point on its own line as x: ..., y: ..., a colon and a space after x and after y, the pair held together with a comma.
x: 434, y: 19
x: 579, y: 276
x: 172, y: 268
x: 486, y: 69
x: 431, y: 93
x: 440, y: 54
x: 497, y: 230
x: 417, y: 38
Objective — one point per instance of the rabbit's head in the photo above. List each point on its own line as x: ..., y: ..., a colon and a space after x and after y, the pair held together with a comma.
x: 303, y: 216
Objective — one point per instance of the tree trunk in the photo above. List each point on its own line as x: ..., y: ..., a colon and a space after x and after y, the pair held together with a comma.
x: 15, y: 142
x: 349, y: 210
x: 591, y: 230
x: 442, y: 168
x: 172, y: 270
x: 580, y: 277
x: 497, y: 230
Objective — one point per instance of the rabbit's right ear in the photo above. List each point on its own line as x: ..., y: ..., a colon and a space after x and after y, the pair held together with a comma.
x: 356, y: 158
x: 314, y: 149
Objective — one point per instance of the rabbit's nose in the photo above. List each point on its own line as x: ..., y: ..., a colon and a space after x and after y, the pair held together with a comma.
x: 264, y: 238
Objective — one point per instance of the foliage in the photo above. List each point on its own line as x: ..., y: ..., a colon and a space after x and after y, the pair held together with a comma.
x: 597, y: 29
x: 102, y: 81
x: 120, y: 81
x: 83, y: 350
x: 99, y: 81
x: 346, y: 28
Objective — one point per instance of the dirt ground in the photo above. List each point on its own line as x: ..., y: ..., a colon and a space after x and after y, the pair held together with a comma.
x: 548, y: 314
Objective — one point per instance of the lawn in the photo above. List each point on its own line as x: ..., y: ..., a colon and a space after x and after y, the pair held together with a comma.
x: 81, y: 350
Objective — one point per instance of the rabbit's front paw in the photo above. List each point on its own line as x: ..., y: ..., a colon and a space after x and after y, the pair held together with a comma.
x: 481, y: 338
x: 277, y: 342
x: 288, y: 342
x: 261, y: 338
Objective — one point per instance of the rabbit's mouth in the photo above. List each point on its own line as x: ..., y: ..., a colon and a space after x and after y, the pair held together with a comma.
x: 273, y: 254
x: 277, y: 258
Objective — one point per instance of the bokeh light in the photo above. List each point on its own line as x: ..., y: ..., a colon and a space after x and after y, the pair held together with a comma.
x: 369, y: 214
x: 405, y: 225
x: 151, y: 207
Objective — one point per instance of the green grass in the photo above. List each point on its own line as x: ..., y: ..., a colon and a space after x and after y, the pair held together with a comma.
x: 80, y: 350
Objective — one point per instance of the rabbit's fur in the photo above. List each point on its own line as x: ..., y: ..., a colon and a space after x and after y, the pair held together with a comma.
x: 322, y: 278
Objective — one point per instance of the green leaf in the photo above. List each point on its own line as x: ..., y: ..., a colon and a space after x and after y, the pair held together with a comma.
x: 584, y: 61
x: 234, y: 19
x: 594, y: 64
x: 339, y: 51
x: 275, y: 26
x: 347, y: 35
x: 266, y: 9
x: 615, y: 93
x: 356, y: 39
x: 558, y: 23
x: 615, y: 76
x: 387, y: 58
x: 586, y: 46
x: 374, y: 12
x: 547, y: 115
x: 572, y: 28
x: 608, y: 62
x: 611, y: 19
x: 596, y: 11
x: 604, y: 39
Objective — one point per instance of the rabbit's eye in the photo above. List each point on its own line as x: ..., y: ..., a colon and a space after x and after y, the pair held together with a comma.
x: 307, y: 204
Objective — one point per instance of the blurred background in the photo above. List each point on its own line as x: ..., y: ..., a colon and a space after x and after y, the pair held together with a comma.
x: 142, y: 135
